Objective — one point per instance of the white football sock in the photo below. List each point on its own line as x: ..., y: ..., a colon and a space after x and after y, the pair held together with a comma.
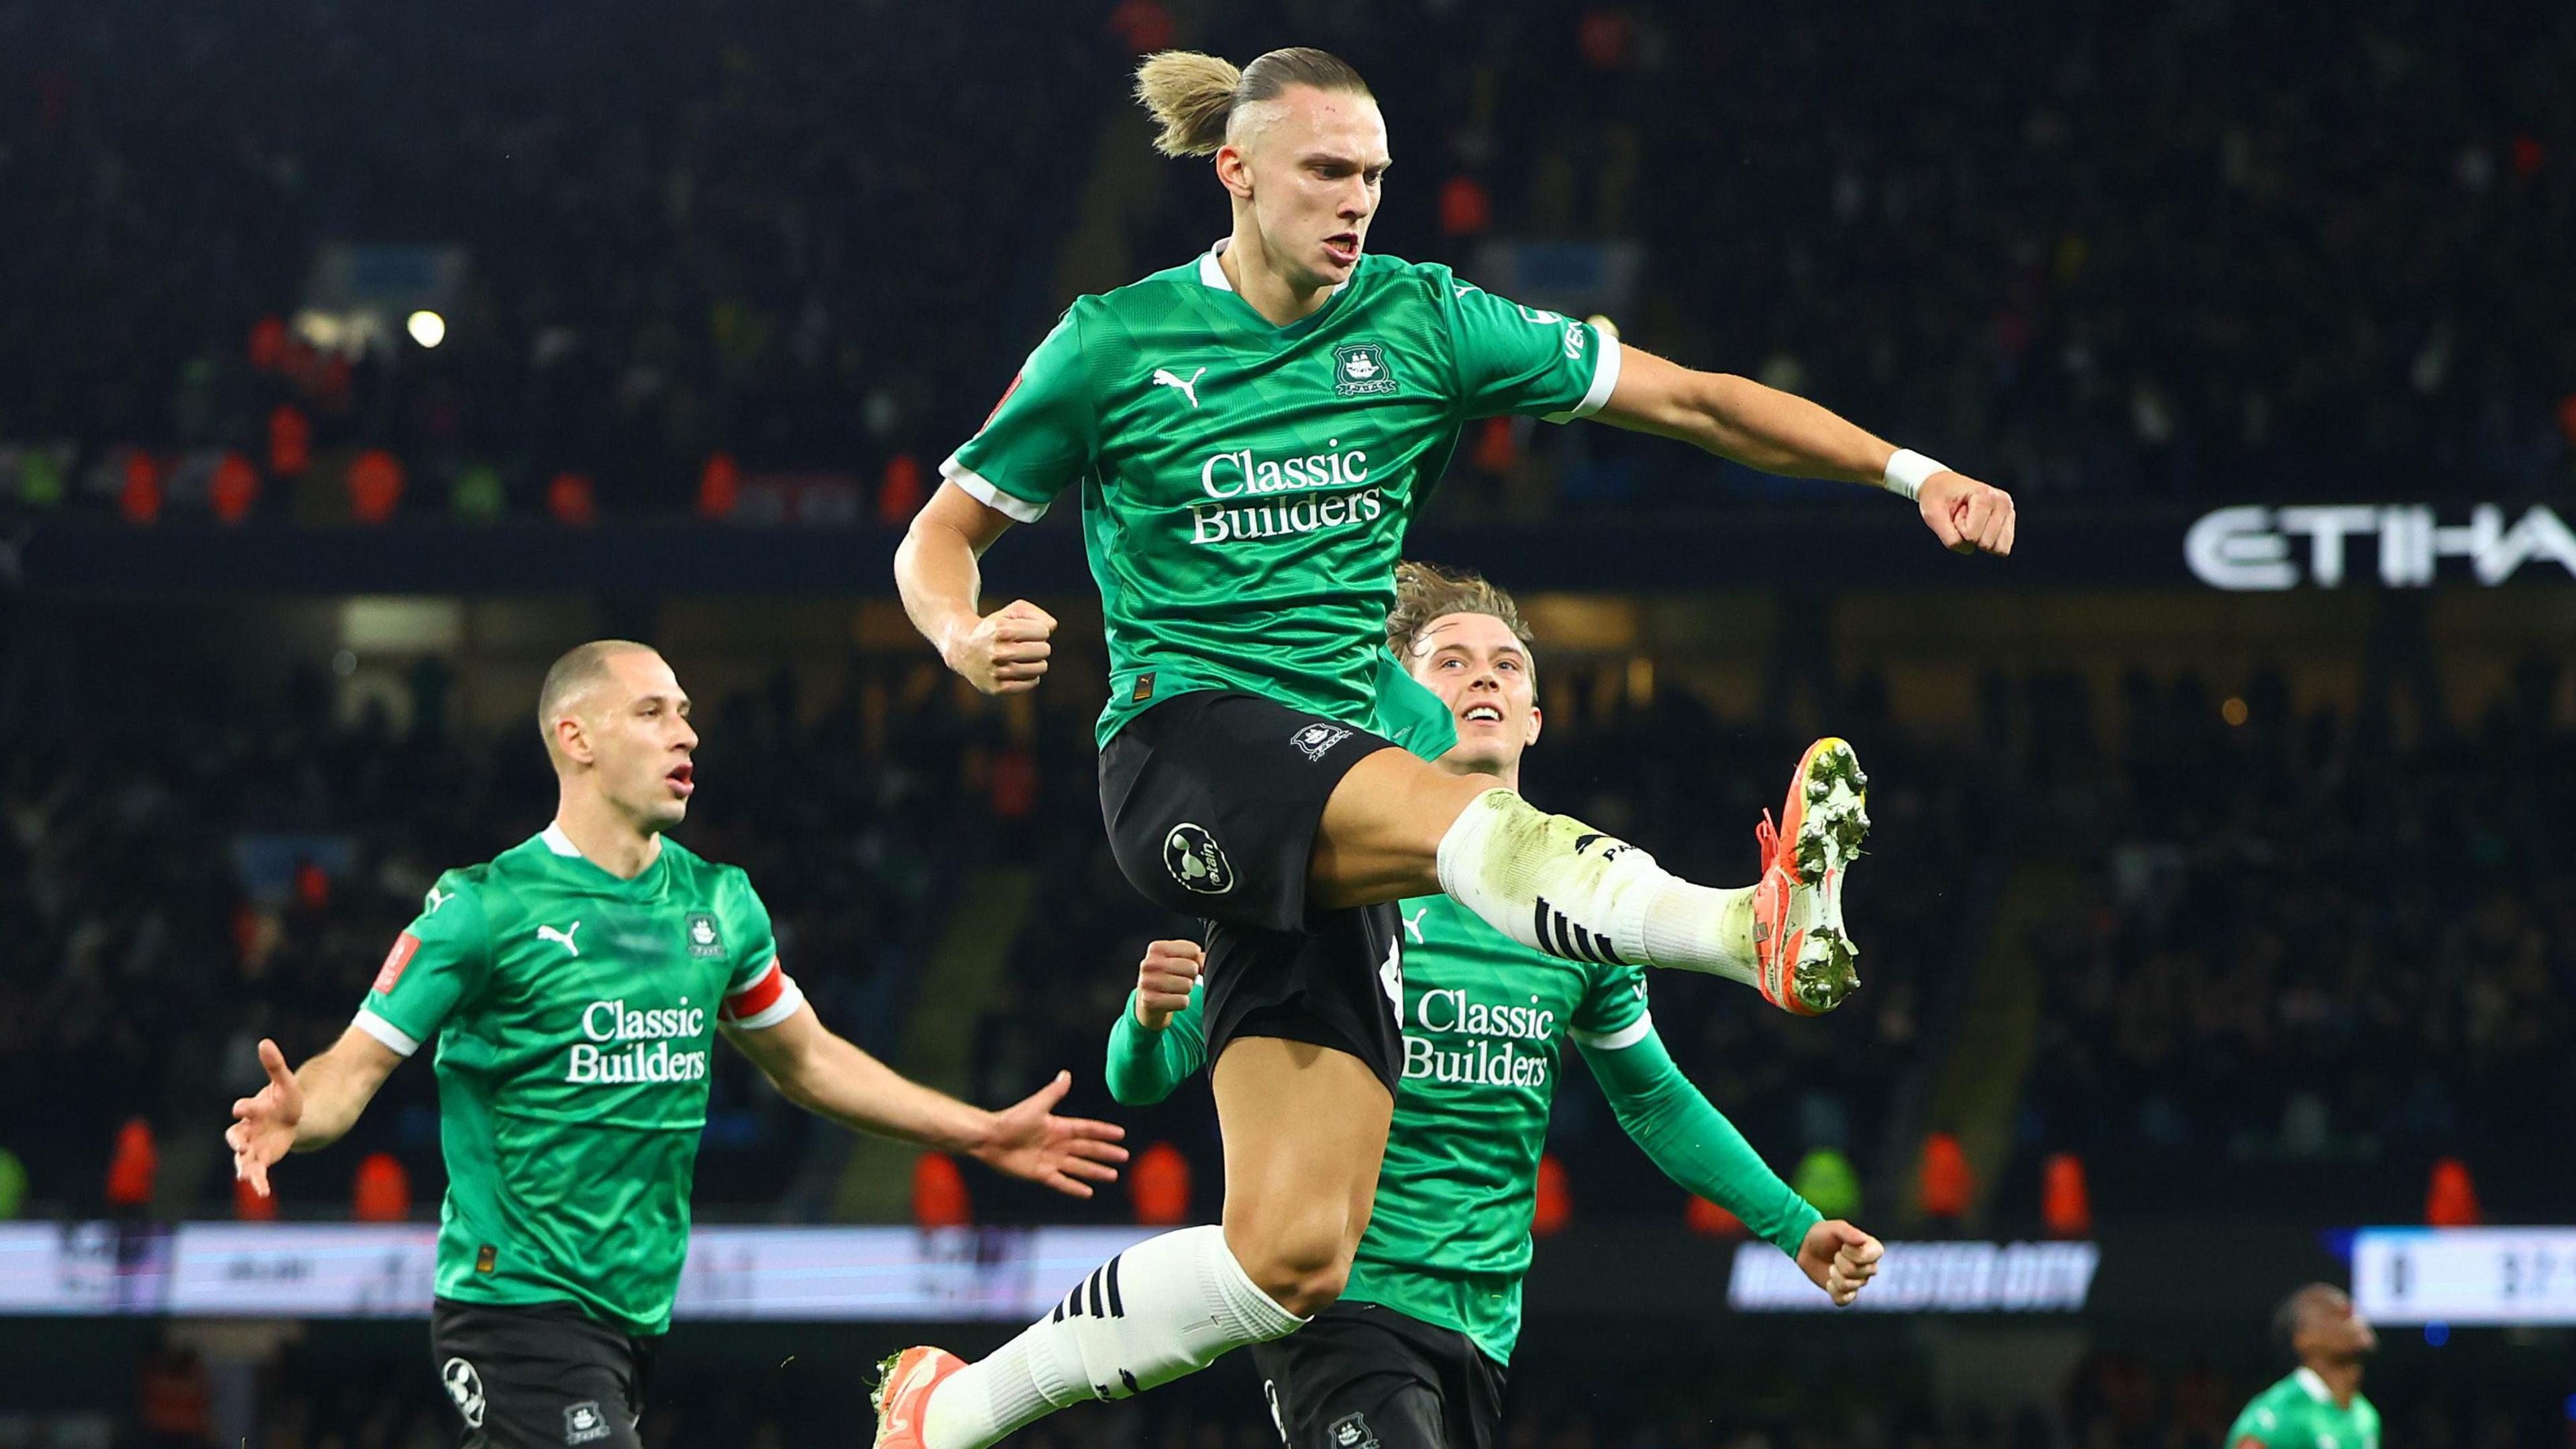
x: 1164, y: 1308
x: 1556, y: 884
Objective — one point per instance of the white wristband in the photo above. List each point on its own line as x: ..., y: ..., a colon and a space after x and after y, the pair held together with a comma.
x: 1908, y: 470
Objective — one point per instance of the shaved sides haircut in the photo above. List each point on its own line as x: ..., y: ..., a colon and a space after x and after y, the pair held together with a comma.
x: 1198, y: 100
x: 581, y: 666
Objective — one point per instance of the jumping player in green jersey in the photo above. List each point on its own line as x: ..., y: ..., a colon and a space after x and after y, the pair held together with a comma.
x: 2320, y: 1405
x: 1413, y: 1354
x: 1250, y: 433
x: 575, y: 985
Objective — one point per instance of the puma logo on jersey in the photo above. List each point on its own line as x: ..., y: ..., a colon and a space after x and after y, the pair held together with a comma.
x: 436, y: 898
x: 1413, y: 926
x: 561, y: 938
x: 1165, y: 377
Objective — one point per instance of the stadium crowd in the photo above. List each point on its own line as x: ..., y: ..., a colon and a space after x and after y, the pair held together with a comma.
x: 2204, y: 249
x: 2314, y: 948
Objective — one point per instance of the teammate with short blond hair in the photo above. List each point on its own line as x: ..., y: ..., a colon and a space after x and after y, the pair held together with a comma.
x: 1414, y: 1354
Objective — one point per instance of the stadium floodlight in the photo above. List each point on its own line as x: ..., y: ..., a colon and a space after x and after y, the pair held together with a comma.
x: 427, y: 328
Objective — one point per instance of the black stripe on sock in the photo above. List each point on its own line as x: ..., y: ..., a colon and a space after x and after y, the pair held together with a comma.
x: 1095, y: 1293
x: 1116, y: 1308
x: 1565, y: 937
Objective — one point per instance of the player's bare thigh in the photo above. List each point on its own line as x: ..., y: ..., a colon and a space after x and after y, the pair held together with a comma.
x: 1305, y: 1129
x: 1380, y: 836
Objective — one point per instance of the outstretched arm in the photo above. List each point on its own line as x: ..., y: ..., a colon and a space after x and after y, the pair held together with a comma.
x: 306, y: 1109
x: 1698, y: 1148
x: 937, y: 572
x: 1778, y: 432
x: 1160, y: 1037
x: 829, y: 1076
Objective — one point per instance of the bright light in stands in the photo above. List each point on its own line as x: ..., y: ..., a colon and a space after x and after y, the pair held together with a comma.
x: 427, y: 328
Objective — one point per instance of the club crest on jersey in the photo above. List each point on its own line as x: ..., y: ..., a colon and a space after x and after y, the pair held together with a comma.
x: 1197, y: 861
x: 705, y: 941
x: 1360, y: 369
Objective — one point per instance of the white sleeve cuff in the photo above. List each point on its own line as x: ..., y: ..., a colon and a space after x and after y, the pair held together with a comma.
x: 1605, y: 378
x: 790, y: 997
x: 385, y: 1031
x: 974, y: 485
x: 1620, y: 1040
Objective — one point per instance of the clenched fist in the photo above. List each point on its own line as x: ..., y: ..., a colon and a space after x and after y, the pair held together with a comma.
x: 1006, y: 652
x: 1164, y: 980
x: 1840, y: 1259
x: 1967, y: 516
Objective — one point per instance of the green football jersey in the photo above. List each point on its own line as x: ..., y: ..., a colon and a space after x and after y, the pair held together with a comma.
x: 1485, y: 1025
x: 1246, y: 487
x: 2299, y: 1412
x: 574, y: 1013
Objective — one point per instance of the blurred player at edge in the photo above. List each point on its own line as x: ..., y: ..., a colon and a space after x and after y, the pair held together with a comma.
x: 575, y: 985
x: 2320, y: 1405
x: 1413, y: 1354
x: 1251, y: 432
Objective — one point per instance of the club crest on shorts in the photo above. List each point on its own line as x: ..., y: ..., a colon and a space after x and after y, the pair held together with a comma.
x: 1315, y: 739
x: 1197, y: 861
x: 465, y: 1386
x: 1351, y: 1431
x: 584, y: 1422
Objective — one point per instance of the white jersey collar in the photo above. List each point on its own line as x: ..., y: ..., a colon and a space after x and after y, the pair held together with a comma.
x: 1213, y: 275
x: 2310, y: 1380
x: 561, y: 844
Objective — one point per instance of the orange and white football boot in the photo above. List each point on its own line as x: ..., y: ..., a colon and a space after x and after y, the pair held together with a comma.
x: 1805, y: 960
x: 903, y: 1390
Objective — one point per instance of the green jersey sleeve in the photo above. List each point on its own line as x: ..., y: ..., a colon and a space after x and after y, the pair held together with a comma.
x: 1691, y: 1140
x: 436, y: 966
x: 1612, y: 1014
x: 1515, y: 359
x: 1410, y: 715
x: 1041, y: 436
x: 759, y: 992
x: 1144, y: 1066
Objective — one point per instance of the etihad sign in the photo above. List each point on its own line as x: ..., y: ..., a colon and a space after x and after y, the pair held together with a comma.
x: 2255, y: 547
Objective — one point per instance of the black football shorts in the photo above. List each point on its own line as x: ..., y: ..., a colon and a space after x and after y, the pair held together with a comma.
x: 1363, y: 1376
x: 539, y: 1375
x: 1212, y: 799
